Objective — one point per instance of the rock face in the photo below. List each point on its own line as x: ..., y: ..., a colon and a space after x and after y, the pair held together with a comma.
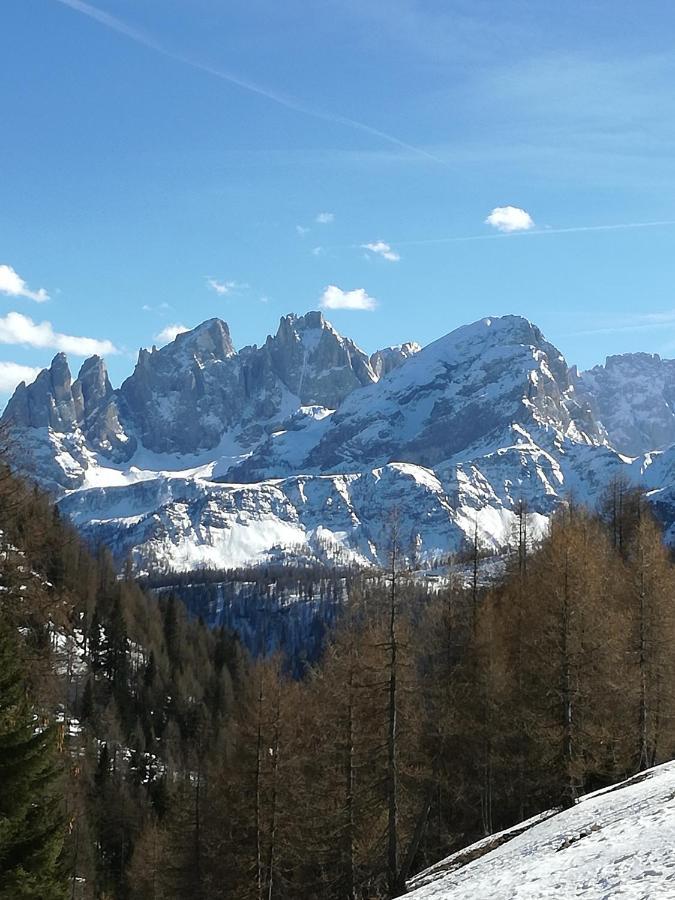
x: 211, y: 456
x: 52, y: 401
x: 85, y: 410
x: 180, y: 399
x: 315, y: 363
x: 185, y: 397
x: 386, y: 360
x: 633, y: 395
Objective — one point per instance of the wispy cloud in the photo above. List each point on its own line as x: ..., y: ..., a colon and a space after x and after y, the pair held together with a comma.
x: 170, y: 333
x: 301, y: 231
x: 16, y: 328
x: 383, y: 249
x: 223, y: 287
x: 334, y: 297
x: 140, y: 37
x: 325, y: 218
x: 509, y: 219
x: 12, y: 285
x: 628, y: 323
x: 161, y: 307
x: 318, y: 251
x: 537, y: 232
x: 12, y: 373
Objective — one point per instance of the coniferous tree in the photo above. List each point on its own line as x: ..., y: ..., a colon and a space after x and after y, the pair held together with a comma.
x: 31, y: 804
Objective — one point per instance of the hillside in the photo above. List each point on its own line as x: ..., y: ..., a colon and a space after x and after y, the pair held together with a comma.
x: 617, y: 842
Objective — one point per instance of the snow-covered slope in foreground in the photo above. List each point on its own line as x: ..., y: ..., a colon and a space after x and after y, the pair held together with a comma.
x: 615, y: 843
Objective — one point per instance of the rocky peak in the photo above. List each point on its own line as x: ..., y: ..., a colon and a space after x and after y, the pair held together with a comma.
x: 60, y: 378
x: 389, y: 358
x: 463, y: 393
x: 315, y: 362
x: 182, y: 397
x: 94, y: 384
x: 209, y: 341
x: 633, y: 395
x: 52, y: 400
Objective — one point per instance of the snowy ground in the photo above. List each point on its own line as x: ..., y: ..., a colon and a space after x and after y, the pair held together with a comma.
x: 615, y: 843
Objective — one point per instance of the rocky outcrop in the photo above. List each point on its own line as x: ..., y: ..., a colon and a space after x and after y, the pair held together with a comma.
x: 181, y: 398
x: 315, y: 363
x: 86, y: 407
x: 52, y: 401
x: 386, y: 360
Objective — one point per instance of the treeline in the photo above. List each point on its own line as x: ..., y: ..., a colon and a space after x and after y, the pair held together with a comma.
x: 428, y: 722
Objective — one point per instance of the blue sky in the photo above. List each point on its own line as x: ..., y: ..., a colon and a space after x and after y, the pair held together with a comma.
x: 165, y: 161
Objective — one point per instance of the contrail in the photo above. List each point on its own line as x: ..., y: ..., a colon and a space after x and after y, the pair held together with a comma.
x: 115, y: 24
x: 539, y: 232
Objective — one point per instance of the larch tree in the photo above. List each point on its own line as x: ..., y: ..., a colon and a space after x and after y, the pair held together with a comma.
x: 651, y: 585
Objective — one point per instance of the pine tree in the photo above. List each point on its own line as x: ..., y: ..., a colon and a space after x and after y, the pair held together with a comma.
x: 31, y: 819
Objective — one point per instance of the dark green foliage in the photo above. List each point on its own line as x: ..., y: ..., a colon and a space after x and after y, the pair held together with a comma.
x: 32, y: 826
x: 153, y: 691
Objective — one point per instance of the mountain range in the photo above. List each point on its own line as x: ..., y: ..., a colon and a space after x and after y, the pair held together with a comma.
x: 305, y: 446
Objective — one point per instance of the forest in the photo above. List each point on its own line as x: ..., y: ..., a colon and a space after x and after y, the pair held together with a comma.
x: 144, y: 755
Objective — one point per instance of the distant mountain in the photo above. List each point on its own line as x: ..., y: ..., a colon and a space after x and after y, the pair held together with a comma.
x: 211, y: 456
x: 633, y: 395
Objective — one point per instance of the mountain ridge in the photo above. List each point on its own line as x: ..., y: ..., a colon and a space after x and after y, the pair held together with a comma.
x: 206, y: 455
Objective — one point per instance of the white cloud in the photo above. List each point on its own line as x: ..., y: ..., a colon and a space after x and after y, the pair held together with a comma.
x: 168, y: 334
x: 325, y: 218
x: 224, y: 287
x: 510, y: 218
x: 16, y: 328
x: 12, y: 373
x: 318, y: 251
x: 335, y: 298
x: 383, y: 249
x: 220, y: 287
x: 13, y: 285
x: 301, y: 230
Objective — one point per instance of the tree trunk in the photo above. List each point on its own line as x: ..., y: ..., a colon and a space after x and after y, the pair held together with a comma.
x: 392, y: 786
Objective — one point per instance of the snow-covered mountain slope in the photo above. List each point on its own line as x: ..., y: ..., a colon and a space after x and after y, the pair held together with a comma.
x: 182, y: 523
x: 617, y: 842
x: 211, y: 456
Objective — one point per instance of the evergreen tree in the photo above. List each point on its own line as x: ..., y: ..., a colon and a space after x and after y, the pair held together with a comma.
x: 31, y: 818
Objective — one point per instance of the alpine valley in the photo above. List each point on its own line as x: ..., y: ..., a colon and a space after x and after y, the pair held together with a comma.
x: 209, y: 457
